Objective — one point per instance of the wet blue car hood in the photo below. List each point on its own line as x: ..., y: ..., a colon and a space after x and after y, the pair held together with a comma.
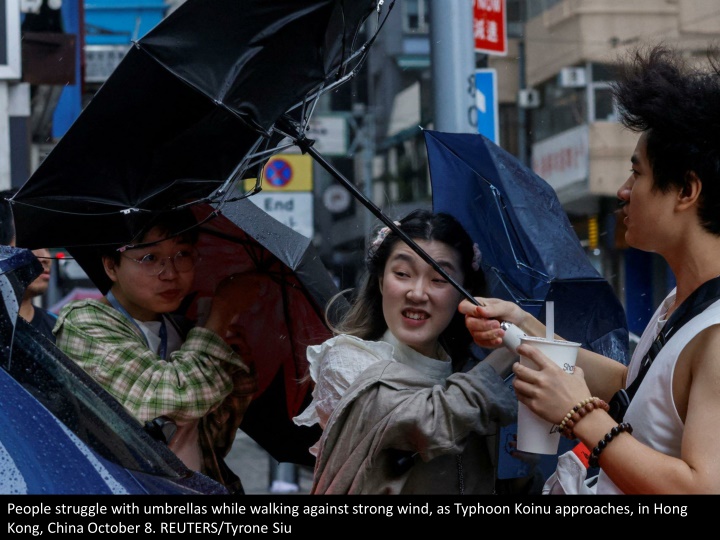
x: 61, y: 433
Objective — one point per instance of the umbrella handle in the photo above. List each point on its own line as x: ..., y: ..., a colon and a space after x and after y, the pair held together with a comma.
x: 513, y: 336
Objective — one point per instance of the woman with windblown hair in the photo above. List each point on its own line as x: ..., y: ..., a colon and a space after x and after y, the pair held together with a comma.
x: 399, y: 414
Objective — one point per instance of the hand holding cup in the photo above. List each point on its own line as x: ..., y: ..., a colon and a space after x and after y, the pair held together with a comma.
x: 544, y: 389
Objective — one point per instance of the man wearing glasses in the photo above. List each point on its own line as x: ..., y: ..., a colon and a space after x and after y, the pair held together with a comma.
x: 193, y: 381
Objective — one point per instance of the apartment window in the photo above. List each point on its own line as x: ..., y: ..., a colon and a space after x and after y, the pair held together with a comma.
x: 516, y: 16
x: 605, y: 104
x: 416, y: 16
x: 563, y: 109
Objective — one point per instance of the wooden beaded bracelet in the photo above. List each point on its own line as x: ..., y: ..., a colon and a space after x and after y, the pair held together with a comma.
x: 586, y: 406
x: 573, y: 411
x: 609, y: 436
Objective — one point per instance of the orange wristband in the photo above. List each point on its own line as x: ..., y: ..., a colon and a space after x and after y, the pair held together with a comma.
x: 583, y: 454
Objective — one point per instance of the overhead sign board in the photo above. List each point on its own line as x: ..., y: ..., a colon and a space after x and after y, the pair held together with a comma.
x: 486, y: 103
x: 490, y: 27
x: 101, y: 61
x: 563, y: 159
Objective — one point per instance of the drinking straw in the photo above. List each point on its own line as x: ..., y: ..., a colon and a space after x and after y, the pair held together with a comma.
x: 550, y: 320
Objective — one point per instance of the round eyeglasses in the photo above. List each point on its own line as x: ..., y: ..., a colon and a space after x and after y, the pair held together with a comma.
x: 151, y: 265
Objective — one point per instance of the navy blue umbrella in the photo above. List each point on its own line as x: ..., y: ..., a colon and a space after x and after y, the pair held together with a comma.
x: 530, y: 252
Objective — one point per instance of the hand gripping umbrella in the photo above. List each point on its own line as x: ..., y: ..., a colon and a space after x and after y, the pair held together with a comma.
x: 287, y: 316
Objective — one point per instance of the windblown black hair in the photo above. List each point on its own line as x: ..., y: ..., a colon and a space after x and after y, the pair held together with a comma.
x: 677, y: 105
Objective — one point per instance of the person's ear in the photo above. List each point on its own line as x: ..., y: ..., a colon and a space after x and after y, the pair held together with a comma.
x: 690, y: 192
x: 110, y: 268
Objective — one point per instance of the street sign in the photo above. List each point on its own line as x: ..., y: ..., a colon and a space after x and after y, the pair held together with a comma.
x: 287, y: 191
x: 330, y: 133
x: 486, y: 103
x: 278, y: 173
x: 337, y: 199
x: 294, y: 209
x: 285, y: 172
x: 490, y: 27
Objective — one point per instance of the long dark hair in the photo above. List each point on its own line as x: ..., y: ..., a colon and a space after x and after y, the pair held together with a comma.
x: 365, y: 317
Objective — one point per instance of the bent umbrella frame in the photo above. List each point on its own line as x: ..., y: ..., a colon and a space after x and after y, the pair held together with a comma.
x: 216, y: 125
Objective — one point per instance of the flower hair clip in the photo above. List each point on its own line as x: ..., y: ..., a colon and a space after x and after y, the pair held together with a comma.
x: 380, y: 237
x: 477, y: 257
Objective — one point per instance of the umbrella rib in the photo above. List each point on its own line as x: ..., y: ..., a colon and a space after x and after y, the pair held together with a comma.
x: 497, y: 196
x: 124, y: 210
x: 518, y: 262
x: 361, y: 54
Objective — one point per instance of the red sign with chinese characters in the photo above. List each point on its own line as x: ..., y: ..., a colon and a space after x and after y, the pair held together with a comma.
x: 490, y: 27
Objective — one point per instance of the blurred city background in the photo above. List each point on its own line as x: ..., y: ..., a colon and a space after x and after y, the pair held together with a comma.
x: 532, y: 75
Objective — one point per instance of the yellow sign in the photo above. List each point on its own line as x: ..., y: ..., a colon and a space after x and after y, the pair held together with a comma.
x: 286, y: 172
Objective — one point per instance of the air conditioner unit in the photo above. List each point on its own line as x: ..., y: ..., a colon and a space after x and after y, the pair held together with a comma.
x: 528, y: 98
x: 572, y: 77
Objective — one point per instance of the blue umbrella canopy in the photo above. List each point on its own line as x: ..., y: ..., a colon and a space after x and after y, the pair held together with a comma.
x: 530, y: 252
x: 525, y: 237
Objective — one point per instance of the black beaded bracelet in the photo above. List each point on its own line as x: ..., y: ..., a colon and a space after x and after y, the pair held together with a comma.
x: 593, y: 460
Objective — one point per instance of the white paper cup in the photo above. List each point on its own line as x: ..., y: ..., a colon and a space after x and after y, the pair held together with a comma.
x: 534, y: 434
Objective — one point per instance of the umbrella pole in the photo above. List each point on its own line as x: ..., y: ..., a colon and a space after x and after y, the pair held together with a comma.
x: 305, y: 144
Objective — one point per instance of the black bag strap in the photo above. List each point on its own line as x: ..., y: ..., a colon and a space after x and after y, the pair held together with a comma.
x: 702, y: 297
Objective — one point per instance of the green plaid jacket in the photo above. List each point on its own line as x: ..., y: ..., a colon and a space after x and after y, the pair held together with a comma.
x: 204, y: 379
